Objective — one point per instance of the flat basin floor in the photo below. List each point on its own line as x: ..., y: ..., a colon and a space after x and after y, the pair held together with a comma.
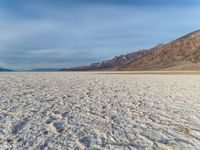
x: 99, y: 111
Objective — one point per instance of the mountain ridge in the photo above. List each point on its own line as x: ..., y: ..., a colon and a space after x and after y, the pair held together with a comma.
x: 111, y: 64
x: 5, y: 70
x: 180, y: 54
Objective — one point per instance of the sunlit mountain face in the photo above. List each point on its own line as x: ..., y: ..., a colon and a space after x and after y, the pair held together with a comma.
x: 69, y: 33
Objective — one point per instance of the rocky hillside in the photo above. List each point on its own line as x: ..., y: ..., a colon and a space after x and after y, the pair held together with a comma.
x: 111, y: 64
x: 181, y: 54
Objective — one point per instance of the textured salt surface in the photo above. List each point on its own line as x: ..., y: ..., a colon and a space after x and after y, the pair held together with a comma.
x: 106, y: 111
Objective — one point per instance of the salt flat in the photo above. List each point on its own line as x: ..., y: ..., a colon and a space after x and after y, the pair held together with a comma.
x: 99, y: 111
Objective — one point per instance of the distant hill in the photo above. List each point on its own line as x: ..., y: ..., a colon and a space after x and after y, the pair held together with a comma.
x: 5, y: 70
x: 44, y: 70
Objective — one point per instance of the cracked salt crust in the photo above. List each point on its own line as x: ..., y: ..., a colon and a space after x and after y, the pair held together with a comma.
x: 99, y: 111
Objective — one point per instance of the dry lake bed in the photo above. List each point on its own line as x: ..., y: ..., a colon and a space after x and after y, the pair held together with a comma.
x: 92, y: 111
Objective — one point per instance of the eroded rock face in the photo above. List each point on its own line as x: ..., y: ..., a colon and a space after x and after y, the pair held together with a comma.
x: 181, y: 54
x: 85, y: 111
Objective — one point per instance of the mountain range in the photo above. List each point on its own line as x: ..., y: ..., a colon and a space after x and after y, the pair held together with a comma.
x: 32, y: 70
x: 44, y: 70
x: 112, y: 64
x: 5, y: 70
x: 180, y: 54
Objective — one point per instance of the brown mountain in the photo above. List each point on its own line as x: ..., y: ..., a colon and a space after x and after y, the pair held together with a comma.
x: 181, y: 54
x: 111, y: 64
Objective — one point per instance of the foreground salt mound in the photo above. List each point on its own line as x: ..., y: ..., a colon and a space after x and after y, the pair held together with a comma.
x: 99, y: 111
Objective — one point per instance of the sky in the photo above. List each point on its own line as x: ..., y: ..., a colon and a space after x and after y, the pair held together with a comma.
x: 68, y: 33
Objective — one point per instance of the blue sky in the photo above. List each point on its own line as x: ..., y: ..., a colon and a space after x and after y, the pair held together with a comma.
x: 66, y: 33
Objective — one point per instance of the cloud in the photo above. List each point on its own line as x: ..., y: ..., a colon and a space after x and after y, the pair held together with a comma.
x: 67, y: 33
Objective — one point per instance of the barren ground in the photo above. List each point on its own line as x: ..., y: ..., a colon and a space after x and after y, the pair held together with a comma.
x: 99, y: 111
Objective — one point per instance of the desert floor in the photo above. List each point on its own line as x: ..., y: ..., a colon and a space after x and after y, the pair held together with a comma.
x: 99, y: 111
